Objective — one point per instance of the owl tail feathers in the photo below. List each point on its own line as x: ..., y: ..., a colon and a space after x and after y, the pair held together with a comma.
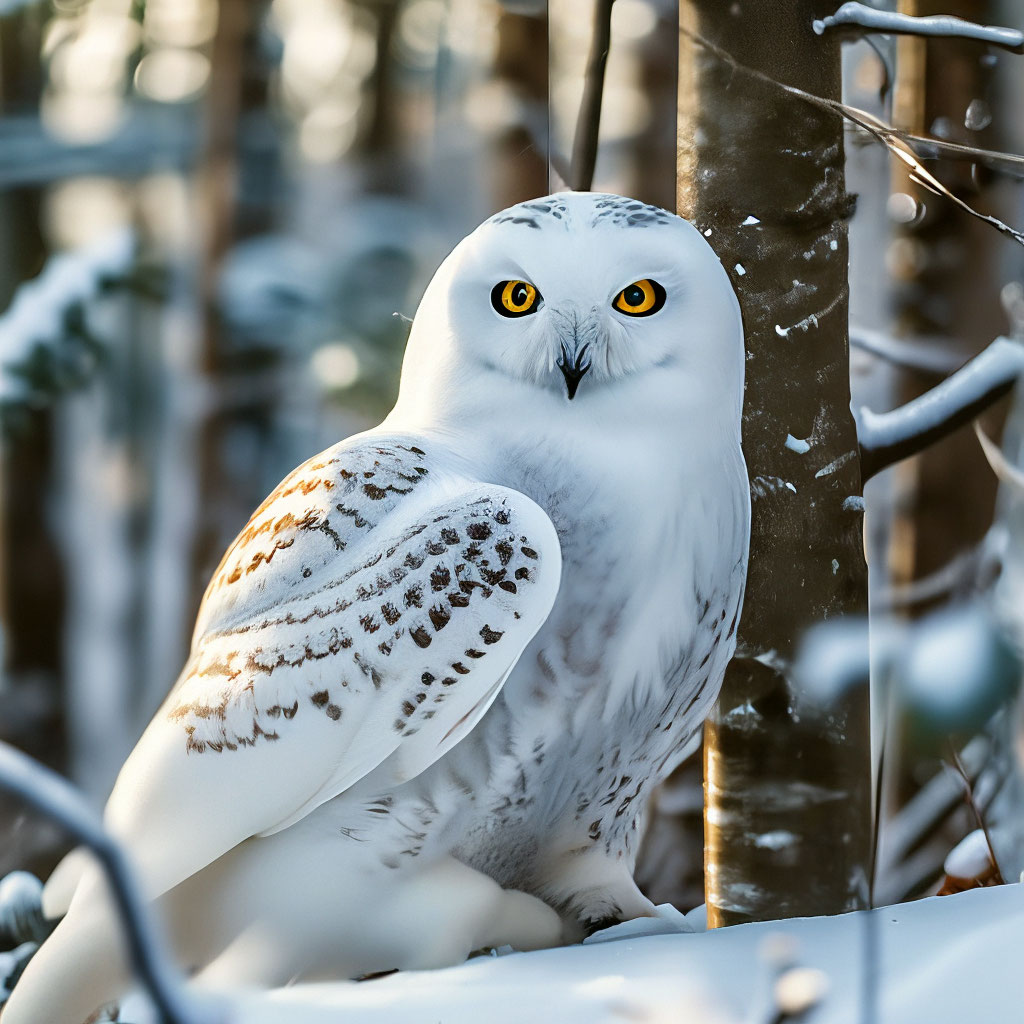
x: 82, y: 966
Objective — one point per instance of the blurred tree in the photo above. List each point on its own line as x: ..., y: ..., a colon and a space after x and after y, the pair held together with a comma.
x: 520, y: 167
x: 225, y: 486
x: 654, y: 149
x: 32, y: 591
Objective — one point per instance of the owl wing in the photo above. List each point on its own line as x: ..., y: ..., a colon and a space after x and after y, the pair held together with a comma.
x: 364, y: 619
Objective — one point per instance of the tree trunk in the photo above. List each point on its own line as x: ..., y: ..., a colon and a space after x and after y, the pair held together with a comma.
x: 518, y: 165
x: 32, y: 580
x: 788, y: 794
x: 217, y: 184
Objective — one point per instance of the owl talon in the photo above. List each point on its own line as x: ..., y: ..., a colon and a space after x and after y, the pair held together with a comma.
x: 591, y: 926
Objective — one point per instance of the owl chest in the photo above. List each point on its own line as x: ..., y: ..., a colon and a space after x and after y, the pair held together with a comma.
x: 609, y: 694
x: 594, y: 729
x: 627, y: 582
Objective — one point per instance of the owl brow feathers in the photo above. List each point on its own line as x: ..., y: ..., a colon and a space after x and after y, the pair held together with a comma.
x: 615, y: 211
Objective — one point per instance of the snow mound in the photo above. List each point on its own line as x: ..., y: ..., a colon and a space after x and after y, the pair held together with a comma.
x: 942, y: 959
x: 970, y: 857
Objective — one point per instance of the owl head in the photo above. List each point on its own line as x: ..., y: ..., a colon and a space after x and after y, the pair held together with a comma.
x: 579, y: 304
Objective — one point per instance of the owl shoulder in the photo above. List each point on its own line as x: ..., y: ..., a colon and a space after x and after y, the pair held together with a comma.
x: 319, y: 513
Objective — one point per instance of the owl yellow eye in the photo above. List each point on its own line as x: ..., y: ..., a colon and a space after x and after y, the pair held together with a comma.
x: 641, y: 298
x: 515, y: 298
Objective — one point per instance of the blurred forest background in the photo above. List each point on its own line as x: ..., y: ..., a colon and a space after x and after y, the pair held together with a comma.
x: 216, y: 219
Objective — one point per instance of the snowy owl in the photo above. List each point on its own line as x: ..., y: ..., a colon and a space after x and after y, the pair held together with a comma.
x: 436, y: 677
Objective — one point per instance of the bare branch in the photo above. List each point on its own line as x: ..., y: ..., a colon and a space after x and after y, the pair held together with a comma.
x: 887, y: 438
x: 978, y: 813
x: 584, y: 146
x: 49, y: 793
x: 1009, y: 164
x: 954, y: 577
x: 1001, y: 466
x: 866, y: 19
x: 918, y: 172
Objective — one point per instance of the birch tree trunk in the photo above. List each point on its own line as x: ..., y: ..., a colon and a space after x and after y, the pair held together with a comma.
x: 788, y: 794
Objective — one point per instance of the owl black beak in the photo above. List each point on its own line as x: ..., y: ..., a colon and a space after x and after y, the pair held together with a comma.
x: 573, y: 367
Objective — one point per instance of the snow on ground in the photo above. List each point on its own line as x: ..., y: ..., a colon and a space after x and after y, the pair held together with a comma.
x: 971, y: 858
x: 944, y: 959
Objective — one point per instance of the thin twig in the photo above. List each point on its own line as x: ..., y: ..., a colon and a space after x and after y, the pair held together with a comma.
x: 588, y: 124
x: 928, y: 148
x: 49, y: 793
x: 918, y: 870
x: 917, y: 171
x: 976, y: 811
x: 1008, y: 473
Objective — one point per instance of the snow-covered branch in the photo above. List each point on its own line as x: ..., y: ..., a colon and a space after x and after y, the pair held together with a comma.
x: 888, y: 437
x: 867, y: 19
x: 920, y: 354
x: 38, y: 315
x: 48, y: 793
